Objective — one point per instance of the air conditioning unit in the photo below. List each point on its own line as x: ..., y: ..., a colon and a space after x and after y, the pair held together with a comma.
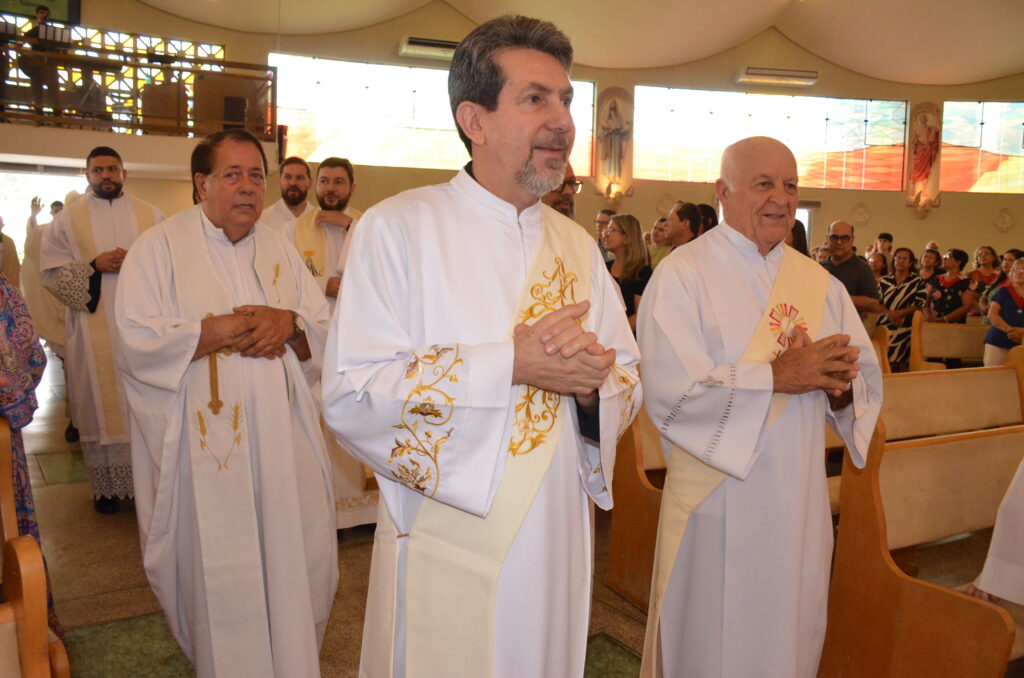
x: 777, y: 77
x: 427, y: 48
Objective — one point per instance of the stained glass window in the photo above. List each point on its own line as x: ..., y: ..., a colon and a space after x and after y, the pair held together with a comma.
x: 115, y: 90
x: 395, y: 116
x: 838, y: 143
x: 982, y: 146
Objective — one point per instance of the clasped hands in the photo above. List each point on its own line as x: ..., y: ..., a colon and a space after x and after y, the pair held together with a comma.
x: 110, y: 261
x: 829, y: 364
x: 556, y: 354
x: 254, y: 331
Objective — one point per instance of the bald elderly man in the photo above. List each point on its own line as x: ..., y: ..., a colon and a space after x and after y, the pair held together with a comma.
x: 753, y: 347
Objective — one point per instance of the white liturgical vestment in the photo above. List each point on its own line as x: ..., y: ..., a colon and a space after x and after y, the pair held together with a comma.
x: 320, y: 247
x: 1003, y: 575
x: 278, y: 216
x: 421, y: 336
x: 747, y: 588
x: 87, y: 227
x: 246, y: 602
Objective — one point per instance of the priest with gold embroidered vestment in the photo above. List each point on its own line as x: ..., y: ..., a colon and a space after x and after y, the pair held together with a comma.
x: 221, y: 330
x: 749, y: 348
x: 481, y: 363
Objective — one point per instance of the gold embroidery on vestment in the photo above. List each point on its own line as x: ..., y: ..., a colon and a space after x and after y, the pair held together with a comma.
x: 427, y: 411
x: 537, y: 410
x: 236, y: 438
x: 627, y: 402
x: 273, y: 283
x: 557, y: 290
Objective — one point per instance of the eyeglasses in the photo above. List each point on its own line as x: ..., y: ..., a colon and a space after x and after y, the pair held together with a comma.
x: 232, y: 177
x: 575, y: 184
x: 840, y: 238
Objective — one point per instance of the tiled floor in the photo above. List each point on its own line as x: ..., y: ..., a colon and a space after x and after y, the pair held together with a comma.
x: 115, y: 628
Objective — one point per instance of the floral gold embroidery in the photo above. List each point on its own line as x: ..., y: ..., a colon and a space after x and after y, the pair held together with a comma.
x: 627, y: 402
x: 557, y: 290
x: 427, y: 411
x: 535, y: 416
x: 537, y: 410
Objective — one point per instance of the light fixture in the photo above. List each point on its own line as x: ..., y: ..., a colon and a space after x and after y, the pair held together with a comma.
x: 776, y: 77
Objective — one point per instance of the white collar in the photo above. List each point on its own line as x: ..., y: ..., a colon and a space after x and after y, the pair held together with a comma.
x: 218, y: 234
x: 746, y: 246
x: 502, y: 211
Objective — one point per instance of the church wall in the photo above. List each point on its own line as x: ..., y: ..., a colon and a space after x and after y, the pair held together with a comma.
x: 964, y: 220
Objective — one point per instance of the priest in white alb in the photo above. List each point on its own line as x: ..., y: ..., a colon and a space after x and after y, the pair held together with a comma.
x: 481, y: 363
x: 293, y: 179
x: 80, y: 258
x: 748, y: 349
x: 47, y: 311
x: 319, y: 235
x: 221, y: 332
x: 1002, y: 578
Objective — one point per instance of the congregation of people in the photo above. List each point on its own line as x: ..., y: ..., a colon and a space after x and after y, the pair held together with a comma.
x: 457, y: 365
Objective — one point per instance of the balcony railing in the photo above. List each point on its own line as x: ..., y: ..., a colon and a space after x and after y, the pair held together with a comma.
x: 78, y: 84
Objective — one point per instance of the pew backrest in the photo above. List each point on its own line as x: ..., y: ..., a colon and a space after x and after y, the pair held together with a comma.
x: 918, y: 404
x: 937, y: 487
x: 944, y: 340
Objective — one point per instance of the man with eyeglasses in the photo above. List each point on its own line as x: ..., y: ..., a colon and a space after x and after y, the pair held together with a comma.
x: 854, y: 272
x: 601, y: 223
x: 563, y: 198
x: 221, y: 329
x: 80, y: 258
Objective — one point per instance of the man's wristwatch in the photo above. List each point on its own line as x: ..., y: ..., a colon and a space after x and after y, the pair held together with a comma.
x: 298, y: 326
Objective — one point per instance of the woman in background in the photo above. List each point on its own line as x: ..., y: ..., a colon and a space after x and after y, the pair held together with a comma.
x: 631, y: 267
x: 903, y: 292
x: 1006, y: 315
x: 879, y: 266
x: 21, y: 367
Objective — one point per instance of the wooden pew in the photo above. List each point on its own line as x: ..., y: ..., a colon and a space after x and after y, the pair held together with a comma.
x: 639, y: 478
x: 944, y: 340
x: 880, y: 342
x: 882, y: 622
x: 24, y: 577
x: 908, y: 406
x: 931, y: 474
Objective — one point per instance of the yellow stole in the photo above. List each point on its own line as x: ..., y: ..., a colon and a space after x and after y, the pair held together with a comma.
x: 797, y: 299
x: 106, y: 385
x: 454, y: 558
x: 311, y: 241
x: 219, y: 455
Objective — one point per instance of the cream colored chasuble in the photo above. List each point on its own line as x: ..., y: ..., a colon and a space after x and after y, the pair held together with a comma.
x: 219, y: 457
x: 797, y: 300
x: 454, y: 558
x: 311, y: 242
x: 106, y: 385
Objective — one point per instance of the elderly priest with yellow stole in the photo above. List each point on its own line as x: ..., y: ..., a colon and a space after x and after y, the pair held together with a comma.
x: 221, y: 333
x: 481, y: 363
x: 749, y: 347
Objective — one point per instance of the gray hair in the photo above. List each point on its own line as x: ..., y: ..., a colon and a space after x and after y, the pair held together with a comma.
x: 474, y: 76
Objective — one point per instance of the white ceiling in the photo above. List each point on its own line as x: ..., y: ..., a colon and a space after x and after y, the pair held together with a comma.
x: 914, y: 41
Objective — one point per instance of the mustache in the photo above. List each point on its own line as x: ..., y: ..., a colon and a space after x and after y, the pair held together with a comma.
x: 554, y: 140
